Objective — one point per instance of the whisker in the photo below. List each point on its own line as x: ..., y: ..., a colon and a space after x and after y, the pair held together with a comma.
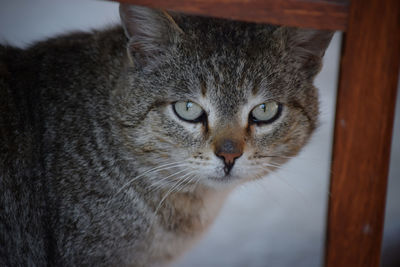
x: 158, y: 184
x: 271, y: 165
x: 280, y: 167
x: 297, y: 157
x: 157, y: 168
x: 195, y: 180
x: 187, y: 181
x: 285, y: 181
x: 292, y: 171
x: 288, y: 184
x: 169, y: 192
x: 183, y: 179
x: 270, y: 193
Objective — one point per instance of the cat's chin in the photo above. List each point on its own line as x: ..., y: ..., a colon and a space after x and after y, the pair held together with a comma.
x: 223, y: 181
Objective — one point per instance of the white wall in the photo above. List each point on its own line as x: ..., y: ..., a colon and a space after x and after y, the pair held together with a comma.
x: 391, y: 235
x: 279, y: 221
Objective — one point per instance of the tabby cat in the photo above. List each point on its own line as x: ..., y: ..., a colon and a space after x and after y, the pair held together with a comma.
x: 118, y: 147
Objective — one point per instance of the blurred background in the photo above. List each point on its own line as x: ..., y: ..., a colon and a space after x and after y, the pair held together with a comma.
x: 278, y: 221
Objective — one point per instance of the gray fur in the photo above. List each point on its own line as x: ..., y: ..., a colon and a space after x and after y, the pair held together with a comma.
x: 82, y: 123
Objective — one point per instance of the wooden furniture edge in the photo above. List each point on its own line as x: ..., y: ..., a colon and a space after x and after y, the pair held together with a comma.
x: 363, y: 133
x: 318, y: 14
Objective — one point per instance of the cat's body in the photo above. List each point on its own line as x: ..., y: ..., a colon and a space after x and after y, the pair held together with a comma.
x: 96, y: 168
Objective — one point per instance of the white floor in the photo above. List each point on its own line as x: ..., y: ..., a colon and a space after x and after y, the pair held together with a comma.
x: 279, y: 221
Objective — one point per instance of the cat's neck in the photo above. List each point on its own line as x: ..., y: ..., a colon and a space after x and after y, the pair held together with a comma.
x: 191, y: 211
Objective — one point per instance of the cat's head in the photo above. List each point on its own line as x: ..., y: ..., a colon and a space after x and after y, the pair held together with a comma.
x: 213, y: 101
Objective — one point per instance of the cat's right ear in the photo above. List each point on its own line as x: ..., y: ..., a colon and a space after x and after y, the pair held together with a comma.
x: 151, y: 32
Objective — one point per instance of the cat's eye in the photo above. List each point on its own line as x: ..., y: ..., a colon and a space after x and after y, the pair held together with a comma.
x: 266, y: 112
x: 188, y: 111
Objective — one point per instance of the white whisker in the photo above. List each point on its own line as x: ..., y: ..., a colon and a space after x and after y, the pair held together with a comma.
x: 187, y: 181
x: 286, y: 182
x: 271, y: 165
x: 170, y: 191
x: 155, y: 169
x: 158, y: 184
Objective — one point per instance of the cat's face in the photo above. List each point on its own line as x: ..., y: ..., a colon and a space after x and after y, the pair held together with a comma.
x: 214, y: 102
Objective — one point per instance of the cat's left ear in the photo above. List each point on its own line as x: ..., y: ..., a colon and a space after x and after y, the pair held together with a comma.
x: 151, y: 32
x: 308, y: 42
x: 307, y: 46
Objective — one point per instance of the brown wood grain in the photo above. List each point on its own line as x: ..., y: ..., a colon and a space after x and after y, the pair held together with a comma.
x: 318, y: 14
x: 362, y: 136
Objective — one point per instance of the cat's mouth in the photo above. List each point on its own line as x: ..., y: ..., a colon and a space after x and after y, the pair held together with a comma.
x: 225, y: 175
x: 224, y: 178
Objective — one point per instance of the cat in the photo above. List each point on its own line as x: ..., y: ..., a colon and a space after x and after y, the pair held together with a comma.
x: 118, y: 147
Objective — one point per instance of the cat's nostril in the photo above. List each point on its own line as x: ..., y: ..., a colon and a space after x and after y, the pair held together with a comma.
x: 228, y: 150
x: 229, y: 158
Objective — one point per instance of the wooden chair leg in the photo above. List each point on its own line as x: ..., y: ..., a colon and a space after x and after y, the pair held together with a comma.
x: 362, y: 136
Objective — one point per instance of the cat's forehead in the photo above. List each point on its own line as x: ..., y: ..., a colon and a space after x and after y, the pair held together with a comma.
x: 227, y: 87
x: 218, y: 33
x: 228, y: 57
x: 227, y: 83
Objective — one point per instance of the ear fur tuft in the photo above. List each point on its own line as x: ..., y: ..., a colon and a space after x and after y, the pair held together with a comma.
x: 306, y: 45
x: 307, y: 42
x: 150, y: 31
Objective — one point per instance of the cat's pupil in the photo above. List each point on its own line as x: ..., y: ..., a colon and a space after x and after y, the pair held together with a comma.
x: 263, y: 107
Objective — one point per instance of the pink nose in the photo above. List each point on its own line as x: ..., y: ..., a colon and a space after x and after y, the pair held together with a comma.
x: 229, y: 158
x: 229, y: 150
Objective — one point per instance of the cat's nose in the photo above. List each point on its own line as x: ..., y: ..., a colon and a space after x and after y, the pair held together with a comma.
x: 229, y: 158
x: 229, y: 151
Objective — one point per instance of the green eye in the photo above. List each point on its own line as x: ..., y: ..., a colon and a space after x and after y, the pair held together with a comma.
x: 188, y: 111
x: 266, y: 112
